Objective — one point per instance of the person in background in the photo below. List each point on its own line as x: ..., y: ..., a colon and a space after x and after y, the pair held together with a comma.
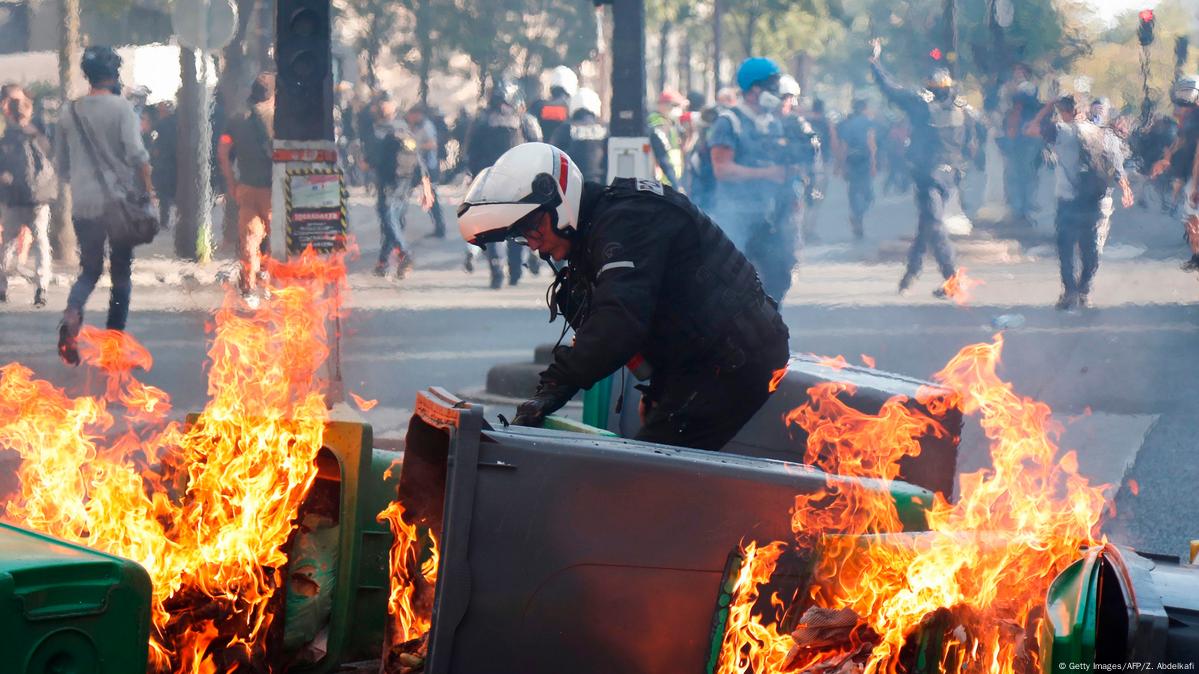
x: 28, y: 184
x: 942, y: 124
x: 398, y: 167
x: 585, y: 138
x: 826, y: 133
x: 1021, y: 153
x: 666, y: 137
x: 857, y: 162
x: 425, y: 133
x: 163, y: 160
x: 727, y: 98
x: 1089, y: 163
x: 248, y: 147
x: 554, y: 113
x: 108, y: 123
x: 499, y: 127
x: 698, y: 175
x: 755, y: 181
x: 1181, y: 160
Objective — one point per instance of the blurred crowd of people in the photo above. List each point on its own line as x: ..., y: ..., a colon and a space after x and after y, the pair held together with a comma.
x: 759, y: 159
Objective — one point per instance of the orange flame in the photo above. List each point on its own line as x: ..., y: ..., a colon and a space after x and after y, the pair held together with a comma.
x: 205, y: 509
x: 777, y: 378
x: 412, y: 579
x: 960, y: 287
x: 987, y: 560
x: 868, y: 361
x: 835, y: 362
x: 362, y: 403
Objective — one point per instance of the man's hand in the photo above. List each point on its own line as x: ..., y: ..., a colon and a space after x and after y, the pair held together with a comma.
x: 5, y: 178
x: 876, y: 49
x: 1159, y: 167
x: 550, y: 398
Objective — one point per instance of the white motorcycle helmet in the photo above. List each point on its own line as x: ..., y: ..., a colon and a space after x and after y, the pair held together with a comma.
x: 585, y: 99
x: 788, y: 86
x: 566, y: 79
x: 528, y: 179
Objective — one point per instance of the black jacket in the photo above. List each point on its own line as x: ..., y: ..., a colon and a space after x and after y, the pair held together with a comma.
x: 650, y: 274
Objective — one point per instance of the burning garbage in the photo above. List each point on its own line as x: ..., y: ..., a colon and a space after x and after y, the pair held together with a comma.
x: 969, y: 591
x: 208, y: 508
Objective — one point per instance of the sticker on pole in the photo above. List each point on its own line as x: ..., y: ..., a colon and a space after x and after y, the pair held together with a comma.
x: 315, y: 207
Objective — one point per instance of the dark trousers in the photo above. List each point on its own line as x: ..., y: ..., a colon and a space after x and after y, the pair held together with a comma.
x: 515, y: 255
x: 932, y: 193
x: 771, y: 249
x: 391, y: 205
x: 861, y: 196
x: 92, y: 236
x: 437, y: 215
x: 1077, y: 230
x: 704, y: 408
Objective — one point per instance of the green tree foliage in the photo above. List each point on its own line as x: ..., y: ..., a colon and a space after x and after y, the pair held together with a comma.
x: 1115, y: 66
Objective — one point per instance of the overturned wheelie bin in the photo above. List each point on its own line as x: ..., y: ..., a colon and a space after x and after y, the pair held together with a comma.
x: 567, y: 552
x: 612, y: 405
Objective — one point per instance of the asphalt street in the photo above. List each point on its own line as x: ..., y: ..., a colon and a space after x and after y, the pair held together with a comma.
x: 1121, y: 378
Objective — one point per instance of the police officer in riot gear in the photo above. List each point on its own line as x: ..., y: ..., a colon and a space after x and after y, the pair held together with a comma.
x: 649, y: 279
x: 800, y: 148
x: 751, y: 179
x: 585, y: 138
x: 501, y: 126
x: 942, y: 124
x: 554, y: 113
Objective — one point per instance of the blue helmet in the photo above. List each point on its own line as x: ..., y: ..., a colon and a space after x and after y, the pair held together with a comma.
x: 754, y: 70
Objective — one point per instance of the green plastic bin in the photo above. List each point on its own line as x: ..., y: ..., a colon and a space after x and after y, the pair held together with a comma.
x: 358, y: 618
x: 65, y: 608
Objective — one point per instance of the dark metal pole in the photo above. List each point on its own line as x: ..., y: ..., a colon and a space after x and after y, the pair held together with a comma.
x: 628, y: 68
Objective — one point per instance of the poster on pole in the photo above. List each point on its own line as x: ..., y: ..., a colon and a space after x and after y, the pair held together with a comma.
x: 315, y: 201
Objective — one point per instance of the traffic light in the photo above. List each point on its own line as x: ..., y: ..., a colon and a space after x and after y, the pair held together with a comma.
x: 935, y: 54
x: 303, y: 60
x: 1145, y: 29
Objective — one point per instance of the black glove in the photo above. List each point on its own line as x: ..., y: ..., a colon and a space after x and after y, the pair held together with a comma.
x: 550, y: 398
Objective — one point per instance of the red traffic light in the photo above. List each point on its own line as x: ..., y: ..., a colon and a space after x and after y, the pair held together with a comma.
x: 935, y: 54
x: 1146, y: 15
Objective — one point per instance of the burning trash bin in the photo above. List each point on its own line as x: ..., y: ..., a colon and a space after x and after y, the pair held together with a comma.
x: 771, y: 434
x: 563, y: 552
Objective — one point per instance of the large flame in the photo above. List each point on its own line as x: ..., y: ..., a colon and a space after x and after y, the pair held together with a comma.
x: 983, y: 567
x: 411, y: 576
x: 206, y: 508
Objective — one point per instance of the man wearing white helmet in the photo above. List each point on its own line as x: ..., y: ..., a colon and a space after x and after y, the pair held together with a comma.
x: 553, y: 114
x: 585, y: 138
x: 650, y: 281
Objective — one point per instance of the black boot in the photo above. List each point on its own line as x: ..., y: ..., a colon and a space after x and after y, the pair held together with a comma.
x: 68, y: 333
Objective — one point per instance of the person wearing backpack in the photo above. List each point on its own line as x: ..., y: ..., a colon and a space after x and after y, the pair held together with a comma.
x: 28, y: 184
x: 1089, y: 163
x: 101, y: 155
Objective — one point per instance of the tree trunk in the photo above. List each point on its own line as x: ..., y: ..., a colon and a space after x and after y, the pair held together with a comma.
x: 717, y: 42
x: 663, y: 51
x: 425, y: 39
x: 62, y: 228
x: 194, y: 161
x: 685, y: 63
